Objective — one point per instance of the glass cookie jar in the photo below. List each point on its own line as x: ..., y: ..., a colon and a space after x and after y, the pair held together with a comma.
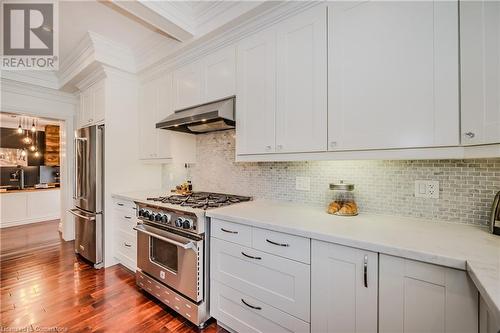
x: 344, y: 203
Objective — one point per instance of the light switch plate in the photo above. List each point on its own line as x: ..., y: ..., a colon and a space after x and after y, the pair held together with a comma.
x: 303, y: 183
x: 427, y: 189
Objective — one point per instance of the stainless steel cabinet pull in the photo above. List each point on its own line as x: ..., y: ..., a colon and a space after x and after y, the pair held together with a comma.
x: 229, y: 231
x: 251, y: 257
x: 278, y: 244
x: 127, y: 244
x: 120, y: 204
x: 365, y: 271
x: 251, y: 306
x: 128, y: 217
x: 470, y: 134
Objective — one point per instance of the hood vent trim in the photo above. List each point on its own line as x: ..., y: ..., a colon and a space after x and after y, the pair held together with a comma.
x: 214, y: 116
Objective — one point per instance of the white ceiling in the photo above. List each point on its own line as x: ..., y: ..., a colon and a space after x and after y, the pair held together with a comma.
x: 78, y: 17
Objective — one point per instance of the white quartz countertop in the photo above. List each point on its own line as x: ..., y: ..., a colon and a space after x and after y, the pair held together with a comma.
x: 453, y: 245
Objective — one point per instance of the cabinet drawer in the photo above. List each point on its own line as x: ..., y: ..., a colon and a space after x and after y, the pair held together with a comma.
x: 284, y: 245
x: 125, y: 205
x: 232, y: 232
x: 277, y: 281
x: 126, y: 245
x: 228, y: 306
x: 125, y: 222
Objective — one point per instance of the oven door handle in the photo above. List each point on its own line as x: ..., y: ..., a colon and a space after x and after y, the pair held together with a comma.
x: 185, y: 246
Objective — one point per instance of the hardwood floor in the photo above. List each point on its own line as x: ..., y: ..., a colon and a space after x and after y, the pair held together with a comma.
x: 51, y: 288
x: 17, y: 240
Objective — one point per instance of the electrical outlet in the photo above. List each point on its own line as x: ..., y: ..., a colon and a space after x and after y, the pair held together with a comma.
x: 303, y: 183
x: 427, y: 189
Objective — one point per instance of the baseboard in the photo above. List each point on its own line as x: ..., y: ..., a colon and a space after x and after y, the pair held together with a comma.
x: 29, y: 221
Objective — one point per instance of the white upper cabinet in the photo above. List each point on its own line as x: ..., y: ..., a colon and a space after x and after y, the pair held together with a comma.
x: 480, y: 70
x: 281, y: 87
x: 220, y: 74
x: 188, y: 85
x: 344, y: 289
x: 301, y: 117
x: 420, y: 297
x: 92, y: 104
x: 148, y: 116
x: 256, y: 94
x: 99, y: 101
x: 393, y: 75
x: 155, y: 104
x: 209, y: 79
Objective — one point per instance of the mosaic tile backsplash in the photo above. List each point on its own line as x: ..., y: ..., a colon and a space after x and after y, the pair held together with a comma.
x: 467, y: 187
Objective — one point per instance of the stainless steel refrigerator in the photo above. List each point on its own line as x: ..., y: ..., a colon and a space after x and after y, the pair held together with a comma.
x: 88, y: 193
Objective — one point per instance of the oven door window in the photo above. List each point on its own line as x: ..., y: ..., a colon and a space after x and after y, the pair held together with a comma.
x: 164, y: 254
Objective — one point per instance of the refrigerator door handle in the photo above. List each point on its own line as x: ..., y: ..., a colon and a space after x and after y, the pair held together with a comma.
x: 77, y: 213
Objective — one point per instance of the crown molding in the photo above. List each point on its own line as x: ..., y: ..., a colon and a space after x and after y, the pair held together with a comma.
x: 93, y: 51
x: 257, y: 19
x: 41, y: 78
x: 23, y: 88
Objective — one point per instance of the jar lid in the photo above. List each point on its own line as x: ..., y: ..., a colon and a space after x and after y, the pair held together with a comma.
x: 341, y: 186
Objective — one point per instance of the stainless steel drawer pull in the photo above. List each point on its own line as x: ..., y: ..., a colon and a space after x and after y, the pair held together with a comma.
x: 251, y: 306
x: 127, y: 244
x: 278, y: 244
x: 251, y: 257
x: 120, y: 204
x: 229, y: 231
x: 365, y: 271
x: 128, y: 217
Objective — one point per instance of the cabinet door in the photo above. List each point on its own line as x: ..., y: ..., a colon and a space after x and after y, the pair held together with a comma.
x: 480, y: 70
x: 148, y: 103
x: 219, y: 74
x: 419, y: 297
x: 488, y: 323
x: 393, y: 74
x: 256, y: 93
x: 344, y: 292
x: 163, y: 109
x: 301, y: 117
x: 85, y: 112
x: 99, y: 101
x: 188, y: 86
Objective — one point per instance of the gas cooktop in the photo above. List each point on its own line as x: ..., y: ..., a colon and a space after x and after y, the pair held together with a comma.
x: 202, y: 200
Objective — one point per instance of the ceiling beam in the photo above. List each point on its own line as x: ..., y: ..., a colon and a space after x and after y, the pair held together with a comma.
x: 140, y: 13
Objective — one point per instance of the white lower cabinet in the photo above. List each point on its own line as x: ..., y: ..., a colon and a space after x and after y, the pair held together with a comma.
x: 344, y: 289
x: 487, y: 322
x: 421, y: 297
x: 124, y: 219
x: 243, y: 313
x: 279, y: 282
x: 255, y: 290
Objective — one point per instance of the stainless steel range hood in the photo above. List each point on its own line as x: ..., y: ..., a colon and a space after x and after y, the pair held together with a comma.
x: 213, y: 116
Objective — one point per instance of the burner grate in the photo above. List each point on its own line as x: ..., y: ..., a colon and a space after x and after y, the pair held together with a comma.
x: 202, y: 200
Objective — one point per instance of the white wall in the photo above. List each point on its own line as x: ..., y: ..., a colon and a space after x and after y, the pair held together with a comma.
x: 22, y: 98
x: 123, y: 169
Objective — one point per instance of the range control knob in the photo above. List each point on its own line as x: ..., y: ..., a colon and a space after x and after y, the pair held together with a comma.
x: 165, y: 218
x: 145, y: 214
x: 178, y: 222
x: 187, y: 224
x: 152, y: 217
x: 158, y: 217
x: 141, y: 212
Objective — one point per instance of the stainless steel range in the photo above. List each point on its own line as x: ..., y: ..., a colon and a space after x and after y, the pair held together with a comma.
x: 173, y: 250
